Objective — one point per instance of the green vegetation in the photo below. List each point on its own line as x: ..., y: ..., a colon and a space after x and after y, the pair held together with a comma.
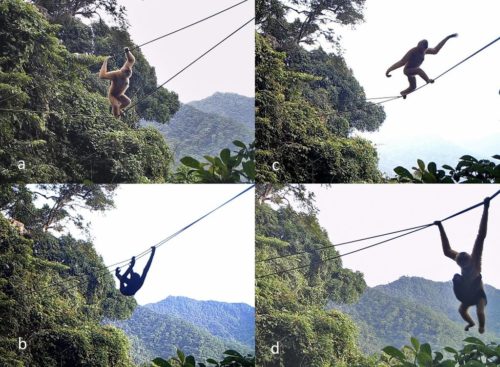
x: 55, y: 291
x: 232, y: 359
x: 291, y: 307
x: 474, y: 354
x: 71, y: 135
x: 226, y: 168
x: 308, y: 102
x: 467, y: 170
x: 194, y: 132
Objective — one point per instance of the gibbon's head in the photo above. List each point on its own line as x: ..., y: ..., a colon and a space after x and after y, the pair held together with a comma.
x: 423, y: 45
x: 463, y: 259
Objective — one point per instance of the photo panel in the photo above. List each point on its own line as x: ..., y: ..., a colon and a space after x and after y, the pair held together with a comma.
x: 377, y: 92
x: 127, y: 275
x: 377, y: 275
x: 125, y: 91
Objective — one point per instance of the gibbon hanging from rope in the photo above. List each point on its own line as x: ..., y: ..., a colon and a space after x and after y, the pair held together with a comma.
x: 130, y: 281
x: 468, y: 286
x: 119, y: 83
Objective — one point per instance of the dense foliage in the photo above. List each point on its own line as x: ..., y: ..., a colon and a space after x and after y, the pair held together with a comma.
x: 54, y: 111
x: 467, y: 170
x: 232, y: 359
x: 157, y: 334
x: 299, y: 125
x: 228, y: 167
x: 195, y: 133
x: 474, y: 354
x: 54, y: 293
x: 389, y: 314
x: 308, y: 102
x: 226, y: 320
x: 291, y: 306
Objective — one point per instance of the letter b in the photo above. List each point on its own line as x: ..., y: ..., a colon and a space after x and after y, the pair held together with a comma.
x: 22, y: 344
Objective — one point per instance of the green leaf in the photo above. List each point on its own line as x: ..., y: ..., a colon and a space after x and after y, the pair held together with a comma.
x: 225, y: 155
x: 421, y: 164
x: 394, y: 352
x: 160, y: 362
x: 181, y: 355
x: 415, y: 343
x: 190, y: 162
x: 473, y: 340
x: 403, y: 172
x: 239, y: 144
x: 190, y: 361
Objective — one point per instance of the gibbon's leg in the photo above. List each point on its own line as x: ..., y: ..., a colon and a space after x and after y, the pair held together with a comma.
x: 115, y: 105
x: 124, y: 101
x: 412, y: 87
x: 465, y: 315
x: 480, y: 314
x: 423, y: 75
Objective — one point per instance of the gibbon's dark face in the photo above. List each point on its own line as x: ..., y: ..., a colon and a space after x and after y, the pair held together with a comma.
x: 423, y: 45
x: 463, y: 259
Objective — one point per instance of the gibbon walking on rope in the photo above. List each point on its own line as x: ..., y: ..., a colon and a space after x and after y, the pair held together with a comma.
x: 412, y: 61
x: 468, y: 287
x: 119, y: 83
x: 130, y: 285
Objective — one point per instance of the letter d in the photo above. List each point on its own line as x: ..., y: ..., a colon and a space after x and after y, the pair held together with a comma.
x: 275, y: 349
x: 22, y: 344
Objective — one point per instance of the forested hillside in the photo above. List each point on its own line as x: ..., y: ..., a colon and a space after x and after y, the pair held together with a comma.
x: 208, y: 127
x: 308, y: 101
x: 390, y: 314
x: 158, y: 335
x: 230, y: 105
x: 226, y: 320
x: 54, y: 113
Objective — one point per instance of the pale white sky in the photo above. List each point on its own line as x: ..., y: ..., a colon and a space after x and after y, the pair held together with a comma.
x: 213, y: 260
x: 349, y: 212
x: 460, y: 112
x: 228, y: 68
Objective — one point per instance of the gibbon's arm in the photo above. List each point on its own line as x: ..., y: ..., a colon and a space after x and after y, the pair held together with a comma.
x: 105, y: 74
x: 118, y: 275
x: 399, y: 64
x: 436, y: 49
x: 130, y: 59
x: 148, y: 265
x: 477, y: 252
x: 448, y: 252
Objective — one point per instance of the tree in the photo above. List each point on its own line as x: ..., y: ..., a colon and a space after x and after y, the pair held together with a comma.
x: 55, y: 115
x: 291, y: 305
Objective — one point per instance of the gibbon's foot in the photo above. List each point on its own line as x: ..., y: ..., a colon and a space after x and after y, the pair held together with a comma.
x: 481, y: 329
x: 431, y: 81
x: 469, y: 326
x: 403, y: 95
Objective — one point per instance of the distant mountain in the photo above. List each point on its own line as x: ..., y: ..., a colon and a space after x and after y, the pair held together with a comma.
x: 390, y: 314
x: 194, y: 132
x: 234, y: 321
x: 230, y: 105
x: 156, y: 330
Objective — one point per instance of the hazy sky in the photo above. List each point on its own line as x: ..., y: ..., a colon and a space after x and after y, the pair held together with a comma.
x: 228, y: 68
x: 349, y: 212
x: 461, y: 110
x: 213, y: 260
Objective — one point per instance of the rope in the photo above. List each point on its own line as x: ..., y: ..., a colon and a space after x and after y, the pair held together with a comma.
x: 189, y: 65
x: 389, y: 99
x: 338, y: 244
x: 162, y: 242
x: 188, y: 26
x: 412, y: 230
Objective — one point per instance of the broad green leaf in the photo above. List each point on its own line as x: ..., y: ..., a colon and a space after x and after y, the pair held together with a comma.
x: 394, y: 352
x: 160, y: 362
x: 190, y: 162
